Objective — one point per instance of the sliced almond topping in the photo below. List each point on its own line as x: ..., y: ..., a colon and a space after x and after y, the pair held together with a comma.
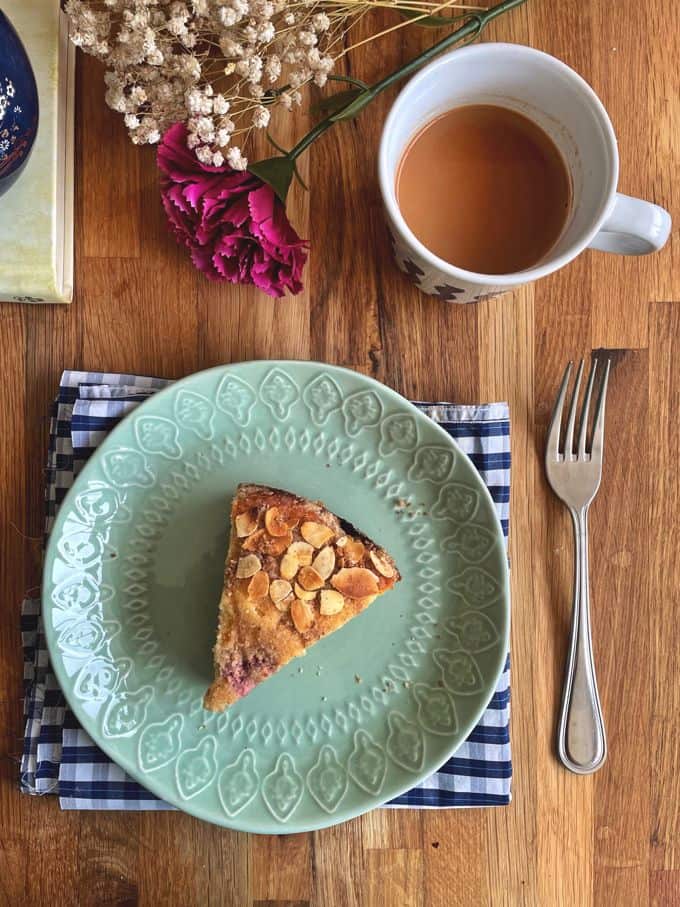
x: 324, y: 562
x: 258, y: 587
x: 277, y: 546
x: 302, y: 615
x: 309, y: 579
x: 303, y: 552
x: 342, y: 541
x: 316, y: 534
x: 354, y: 551
x: 262, y: 542
x: 277, y: 524
x: 254, y: 540
x: 279, y: 589
x: 284, y: 603
x: 332, y: 602
x: 304, y: 594
x: 248, y: 566
x: 382, y: 566
x: 356, y: 582
x: 289, y: 566
x: 246, y: 523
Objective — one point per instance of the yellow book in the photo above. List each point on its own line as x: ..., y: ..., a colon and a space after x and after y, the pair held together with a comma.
x: 36, y: 213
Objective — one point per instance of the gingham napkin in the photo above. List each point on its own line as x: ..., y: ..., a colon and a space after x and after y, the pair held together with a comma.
x: 60, y: 758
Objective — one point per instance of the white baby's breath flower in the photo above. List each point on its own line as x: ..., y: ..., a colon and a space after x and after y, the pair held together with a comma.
x: 205, y: 128
x: 265, y: 33
x: 137, y: 94
x: 321, y: 22
x: 308, y: 38
x: 242, y: 7
x: 272, y: 68
x: 217, y: 159
x: 194, y: 100
x: 190, y: 68
x: 261, y: 117
x: 204, y: 154
x: 250, y: 68
x: 299, y: 77
x: 116, y: 99
x: 230, y: 47
x: 220, y: 104
x: 177, y: 27
x: 236, y: 160
x: 228, y: 17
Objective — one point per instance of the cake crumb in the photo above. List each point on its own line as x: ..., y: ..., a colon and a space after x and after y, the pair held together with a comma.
x: 357, y: 679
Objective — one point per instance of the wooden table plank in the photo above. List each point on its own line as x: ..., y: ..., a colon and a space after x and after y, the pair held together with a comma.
x: 664, y: 593
x: 140, y: 306
x: 622, y: 615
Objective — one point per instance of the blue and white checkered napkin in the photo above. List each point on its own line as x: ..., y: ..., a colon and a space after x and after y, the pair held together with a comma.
x: 60, y: 758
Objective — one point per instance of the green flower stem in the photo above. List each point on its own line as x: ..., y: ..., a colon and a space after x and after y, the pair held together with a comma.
x: 471, y: 29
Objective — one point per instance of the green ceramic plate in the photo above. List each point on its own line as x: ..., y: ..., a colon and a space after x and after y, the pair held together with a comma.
x: 133, y: 576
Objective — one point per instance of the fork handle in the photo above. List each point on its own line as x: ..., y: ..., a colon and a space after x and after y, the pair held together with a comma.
x: 581, y: 741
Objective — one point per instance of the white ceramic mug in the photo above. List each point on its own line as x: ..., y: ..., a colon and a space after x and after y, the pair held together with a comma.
x: 566, y: 107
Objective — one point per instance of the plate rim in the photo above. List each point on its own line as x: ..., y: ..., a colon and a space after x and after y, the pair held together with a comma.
x: 89, y: 724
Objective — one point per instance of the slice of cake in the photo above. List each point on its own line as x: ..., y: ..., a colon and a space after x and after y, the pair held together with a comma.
x: 294, y: 573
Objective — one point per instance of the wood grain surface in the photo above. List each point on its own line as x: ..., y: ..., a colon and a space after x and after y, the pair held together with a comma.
x: 140, y: 307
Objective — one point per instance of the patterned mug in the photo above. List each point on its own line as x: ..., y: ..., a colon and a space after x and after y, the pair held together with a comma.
x: 568, y: 110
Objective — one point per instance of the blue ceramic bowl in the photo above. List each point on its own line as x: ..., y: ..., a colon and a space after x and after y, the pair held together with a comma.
x: 18, y: 105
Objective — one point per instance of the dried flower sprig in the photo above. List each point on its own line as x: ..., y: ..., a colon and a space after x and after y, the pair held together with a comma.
x: 234, y: 224
x: 220, y: 66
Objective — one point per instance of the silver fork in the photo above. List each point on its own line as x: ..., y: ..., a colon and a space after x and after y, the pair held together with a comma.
x: 574, y: 476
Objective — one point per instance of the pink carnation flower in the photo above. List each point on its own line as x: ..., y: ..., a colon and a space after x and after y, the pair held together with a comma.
x: 233, y: 223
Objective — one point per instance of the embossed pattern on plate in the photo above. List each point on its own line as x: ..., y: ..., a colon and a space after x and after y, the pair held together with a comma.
x: 133, y: 575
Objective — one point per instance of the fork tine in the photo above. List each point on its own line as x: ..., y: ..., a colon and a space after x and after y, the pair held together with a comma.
x: 598, y: 428
x: 569, y: 437
x: 583, y: 429
x: 552, y: 447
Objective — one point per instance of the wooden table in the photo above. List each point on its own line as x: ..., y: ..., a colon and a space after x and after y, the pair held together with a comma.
x: 140, y: 307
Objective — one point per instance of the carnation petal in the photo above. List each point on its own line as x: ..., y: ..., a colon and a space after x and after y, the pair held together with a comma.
x: 261, y: 202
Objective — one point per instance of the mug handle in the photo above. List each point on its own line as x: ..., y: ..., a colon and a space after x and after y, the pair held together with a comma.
x: 634, y: 227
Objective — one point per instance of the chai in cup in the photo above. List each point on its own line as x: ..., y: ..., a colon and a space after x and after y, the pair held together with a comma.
x: 484, y: 188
